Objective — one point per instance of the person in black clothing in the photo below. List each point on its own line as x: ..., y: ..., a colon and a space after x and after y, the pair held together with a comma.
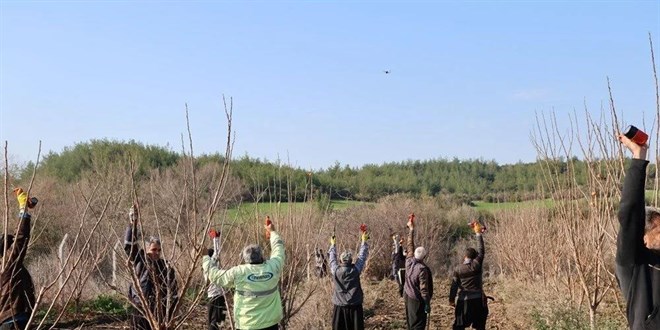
x: 156, y: 278
x: 16, y: 287
x: 398, y: 263
x: 638, y: 246
x: 471, y: 309
x: 347, y: 297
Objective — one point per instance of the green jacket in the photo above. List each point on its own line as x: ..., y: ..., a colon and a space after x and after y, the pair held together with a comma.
x: 257, y: 302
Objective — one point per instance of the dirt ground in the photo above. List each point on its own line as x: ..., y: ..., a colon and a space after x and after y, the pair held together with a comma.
x: 383, y: 307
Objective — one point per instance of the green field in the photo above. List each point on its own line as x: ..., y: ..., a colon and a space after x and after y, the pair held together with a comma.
x: 258, y: 210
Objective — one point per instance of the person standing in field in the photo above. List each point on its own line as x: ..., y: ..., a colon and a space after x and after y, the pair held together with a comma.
x: 418, y: 287
x: 638, y: 245
x: 216, y: 308
x: 398, y: 262
x: 257, y: 301
x: 157, y: 290
x: 16, y: 288
x: 347, y: 296
x: 471, y: 308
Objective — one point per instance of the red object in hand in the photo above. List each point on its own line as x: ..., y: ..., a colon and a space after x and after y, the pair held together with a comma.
x: 213, y: 233
x: 268, y: 222
x: 636, y: 135
x: 411, y: 218
x: 363, y: 228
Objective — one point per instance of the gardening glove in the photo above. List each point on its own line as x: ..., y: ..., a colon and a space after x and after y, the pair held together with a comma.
x: 22, y: 198
x: 477, y: 227
x: 364, y: 236
x: 427, y: 308
x: 333, y: 240
x: 209, y: 252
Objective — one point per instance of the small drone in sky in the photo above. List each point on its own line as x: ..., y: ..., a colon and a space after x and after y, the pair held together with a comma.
x: 387, y: 71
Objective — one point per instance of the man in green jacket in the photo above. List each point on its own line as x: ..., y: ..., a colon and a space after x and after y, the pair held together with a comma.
x: 257, y: 301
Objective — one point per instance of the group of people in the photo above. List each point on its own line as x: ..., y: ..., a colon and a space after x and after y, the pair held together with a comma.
x: 257, y: 303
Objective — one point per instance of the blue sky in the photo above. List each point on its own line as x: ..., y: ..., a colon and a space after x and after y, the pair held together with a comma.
x: 307, y: 77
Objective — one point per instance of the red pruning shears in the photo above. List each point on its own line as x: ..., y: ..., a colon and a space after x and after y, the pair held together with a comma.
x: 411, y: 218
x: 268, y: 222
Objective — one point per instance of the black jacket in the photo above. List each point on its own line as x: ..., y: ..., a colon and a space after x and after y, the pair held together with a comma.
x: 157, y: 280
x: 637, y: 268
x: 469, y: 276
x: 16, y: 287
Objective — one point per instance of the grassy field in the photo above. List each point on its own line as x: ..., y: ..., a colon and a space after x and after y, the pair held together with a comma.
x: 259, y: 210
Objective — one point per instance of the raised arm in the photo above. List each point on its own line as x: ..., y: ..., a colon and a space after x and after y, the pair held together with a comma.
x: 363, y: 253
x: 332, y: 254
x: 631, y: 211
x: 481, y: 251
x: 20, y: 246
x: 131, y: 246
x: 277, y: 254
x: 218, y: 277
x: 410, y: 245
x: 22, y: 239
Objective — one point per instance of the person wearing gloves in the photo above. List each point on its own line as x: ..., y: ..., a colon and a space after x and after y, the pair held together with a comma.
x: 216, y: 306
x: 16, y: 287
x: 471, y: 309
x: 347, y: 296
x: 638, y: 245
x: 257, y: 301
x: 418, y: 287
x: 156, y: 279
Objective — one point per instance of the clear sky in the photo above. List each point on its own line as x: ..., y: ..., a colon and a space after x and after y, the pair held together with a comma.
x: 307, y: 77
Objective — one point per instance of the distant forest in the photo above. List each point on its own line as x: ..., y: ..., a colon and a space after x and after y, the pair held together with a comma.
x: 276, y: 181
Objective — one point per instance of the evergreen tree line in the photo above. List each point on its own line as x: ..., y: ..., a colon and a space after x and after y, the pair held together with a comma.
x: 274, y: 181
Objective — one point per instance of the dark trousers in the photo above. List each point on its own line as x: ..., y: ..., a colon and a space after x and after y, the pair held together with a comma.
x: 18, y: 325
x: 348, y: 318
x: 272, y: 327
x: 415, y: 314
x: 216, y: 311
x: 470, y: 312
x: 139, y: 322
x: 401, y: 279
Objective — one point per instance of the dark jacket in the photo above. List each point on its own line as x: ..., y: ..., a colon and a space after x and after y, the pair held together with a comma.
x: 16, y: 287
x: 419, y: 281
x: 637, y: 268
x: 468, y: 276
x: 346, y: 277
x: 157, y: 280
